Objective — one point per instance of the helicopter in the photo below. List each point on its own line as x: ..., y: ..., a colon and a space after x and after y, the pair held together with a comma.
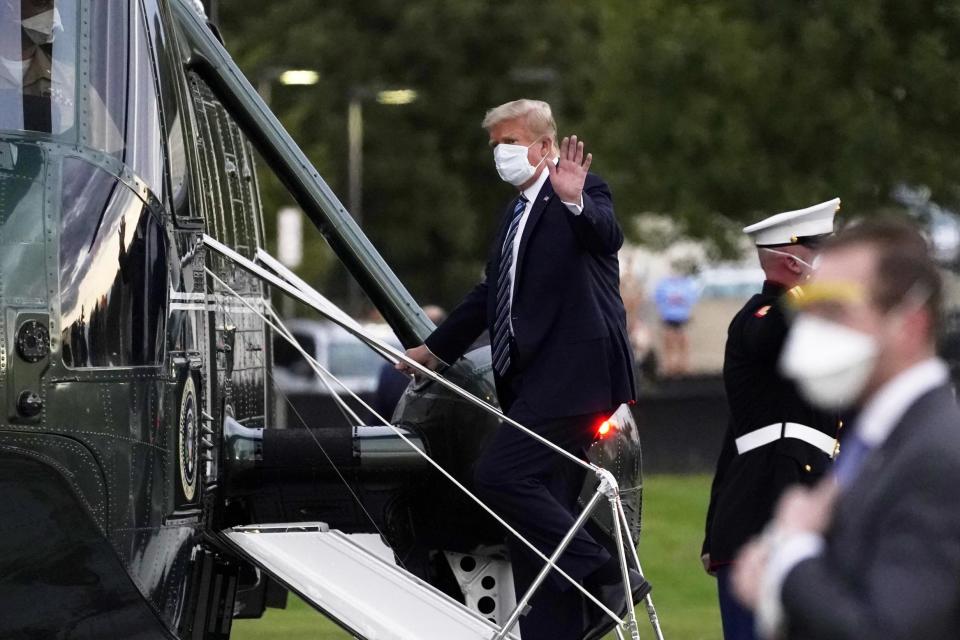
x: 144, y: 490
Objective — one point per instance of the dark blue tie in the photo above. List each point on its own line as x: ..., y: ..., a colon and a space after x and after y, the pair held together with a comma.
x: 501, y: 327
x: 852, y: 454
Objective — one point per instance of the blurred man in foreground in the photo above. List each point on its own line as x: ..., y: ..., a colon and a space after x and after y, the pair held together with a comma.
x: 775, y: 438
x: 874, y: 550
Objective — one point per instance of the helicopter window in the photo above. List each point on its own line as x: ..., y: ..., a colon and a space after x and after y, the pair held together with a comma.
x: 168, y: 78
x: 144, y: 139
x: 45, y: 85
x: 113, y: 273
x: 108, y: 77
x: 38, y: 65
x: 124, y: 111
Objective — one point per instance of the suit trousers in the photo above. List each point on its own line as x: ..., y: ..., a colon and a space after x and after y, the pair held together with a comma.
x: 535, y: 489
x: 738, y: 621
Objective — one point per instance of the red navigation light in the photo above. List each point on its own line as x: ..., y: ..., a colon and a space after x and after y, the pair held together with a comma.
x: 604, y: 429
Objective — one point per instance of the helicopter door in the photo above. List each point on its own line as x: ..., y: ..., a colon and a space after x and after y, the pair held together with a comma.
x: 370, y: 597
x: 232, y: 208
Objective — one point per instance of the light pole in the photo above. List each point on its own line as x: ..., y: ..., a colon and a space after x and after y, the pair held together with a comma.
x: 355, y: 156
x: 287, y: 219
x: 287, y: 77
x: 392, y: 97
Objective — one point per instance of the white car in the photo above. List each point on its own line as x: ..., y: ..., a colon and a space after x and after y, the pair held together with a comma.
x: 343, y: 355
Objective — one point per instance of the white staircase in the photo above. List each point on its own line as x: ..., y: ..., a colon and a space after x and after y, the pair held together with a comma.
x: 372, y: 598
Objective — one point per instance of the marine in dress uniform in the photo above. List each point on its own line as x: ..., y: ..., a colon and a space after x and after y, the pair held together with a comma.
x: 774, y: 438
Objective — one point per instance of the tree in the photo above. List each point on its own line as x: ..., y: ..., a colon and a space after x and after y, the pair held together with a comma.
x: 714, y: 112
x: 736, y: 109
x: 431, y: 197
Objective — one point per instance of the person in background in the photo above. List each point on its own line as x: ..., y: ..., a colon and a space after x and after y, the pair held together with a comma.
x: 775, y: 438
x: 675, y: 296
x: 391, y: 383
x: 874, y: 550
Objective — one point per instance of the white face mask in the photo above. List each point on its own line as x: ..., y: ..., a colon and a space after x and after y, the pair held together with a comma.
x: 43, y: 27
x: 830, y: 362
x: 512, y: 164
x: 812, y: 266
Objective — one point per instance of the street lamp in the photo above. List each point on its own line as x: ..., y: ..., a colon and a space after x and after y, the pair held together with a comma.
x: 301, y: 77
x: 287, y: 219
x: 396, y: 96
x: 286, y: 77
x: 392, y: 97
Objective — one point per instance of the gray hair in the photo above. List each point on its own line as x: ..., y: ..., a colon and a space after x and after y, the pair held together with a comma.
x: 539, y: 117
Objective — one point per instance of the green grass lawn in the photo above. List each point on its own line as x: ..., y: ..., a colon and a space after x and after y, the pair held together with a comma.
x: 685, y: 597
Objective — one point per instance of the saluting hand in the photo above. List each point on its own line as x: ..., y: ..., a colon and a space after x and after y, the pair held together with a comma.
x: 567, y: 176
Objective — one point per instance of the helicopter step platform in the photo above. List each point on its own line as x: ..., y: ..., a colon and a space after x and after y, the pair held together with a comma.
x: 369, y: 596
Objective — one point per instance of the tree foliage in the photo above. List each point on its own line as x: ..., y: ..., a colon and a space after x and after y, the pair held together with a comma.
x: 715, y: 112
x: 740, y: 108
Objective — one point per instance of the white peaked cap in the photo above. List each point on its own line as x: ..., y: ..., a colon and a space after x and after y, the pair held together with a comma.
x: 793, y: 227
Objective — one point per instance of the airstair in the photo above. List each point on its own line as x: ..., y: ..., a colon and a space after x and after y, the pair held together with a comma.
x: 372, y: 598
x: 369, y: 596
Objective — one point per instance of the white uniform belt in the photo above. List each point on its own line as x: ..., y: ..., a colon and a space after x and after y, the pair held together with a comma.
x: 772, y: 433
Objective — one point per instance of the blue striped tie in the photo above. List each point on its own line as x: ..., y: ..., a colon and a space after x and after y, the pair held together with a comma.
x: 501, y: 328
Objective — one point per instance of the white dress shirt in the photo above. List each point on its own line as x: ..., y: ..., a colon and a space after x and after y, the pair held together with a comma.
x: 531, y: 193
x: 876, y: 421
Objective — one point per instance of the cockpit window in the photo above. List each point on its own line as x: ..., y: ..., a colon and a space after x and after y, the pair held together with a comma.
x: 81, y: 70
x: 38, y: 67
x: 113, y: 273
x: 107, y: 96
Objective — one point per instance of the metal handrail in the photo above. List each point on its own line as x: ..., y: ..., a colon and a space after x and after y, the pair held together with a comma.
x: 608, y: 485
x: 429, y: 460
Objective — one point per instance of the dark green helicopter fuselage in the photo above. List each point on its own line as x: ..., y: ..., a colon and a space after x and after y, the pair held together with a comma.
x: 117, y: 357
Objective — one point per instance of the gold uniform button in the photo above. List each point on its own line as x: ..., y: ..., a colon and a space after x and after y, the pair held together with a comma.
x: 807, y: 468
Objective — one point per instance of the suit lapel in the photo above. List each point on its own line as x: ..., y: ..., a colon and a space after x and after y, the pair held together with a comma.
x: 539, y: 205
x: 873, y: 475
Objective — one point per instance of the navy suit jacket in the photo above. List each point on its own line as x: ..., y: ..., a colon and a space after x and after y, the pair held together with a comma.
x: 569, y: 323
x: 891, y: 565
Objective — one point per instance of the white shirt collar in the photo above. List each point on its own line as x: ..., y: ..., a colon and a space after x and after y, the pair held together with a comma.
x: 531, y: 192
x: 886, y: 407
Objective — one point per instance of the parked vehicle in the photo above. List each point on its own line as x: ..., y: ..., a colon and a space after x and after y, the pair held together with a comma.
x: 348, y: 359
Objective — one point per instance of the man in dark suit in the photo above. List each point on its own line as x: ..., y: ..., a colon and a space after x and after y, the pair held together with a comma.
x: 774, y: 438
x: 550, y: 300
x: 874, y: 550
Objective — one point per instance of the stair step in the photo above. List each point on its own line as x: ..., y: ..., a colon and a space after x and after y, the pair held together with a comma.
x: 370, y: 597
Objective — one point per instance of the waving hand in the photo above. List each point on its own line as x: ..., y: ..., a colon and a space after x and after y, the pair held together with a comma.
x: 568, y: 175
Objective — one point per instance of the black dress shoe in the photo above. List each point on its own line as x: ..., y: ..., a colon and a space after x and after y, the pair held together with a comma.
x: 611, y: 595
